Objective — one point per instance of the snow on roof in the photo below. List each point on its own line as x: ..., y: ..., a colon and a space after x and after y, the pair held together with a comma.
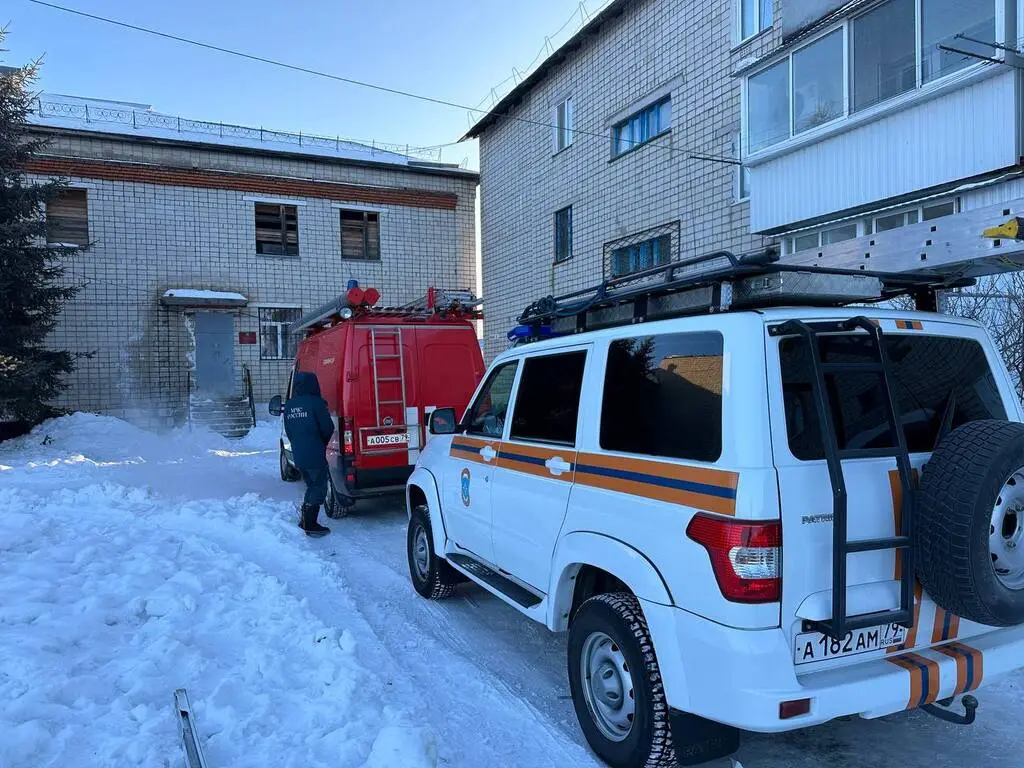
x: 130, y: 119
x: 192, y: 296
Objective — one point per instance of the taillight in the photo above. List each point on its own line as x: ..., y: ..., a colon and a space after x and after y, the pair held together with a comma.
x: 745, y: 556
x: 349, y: 443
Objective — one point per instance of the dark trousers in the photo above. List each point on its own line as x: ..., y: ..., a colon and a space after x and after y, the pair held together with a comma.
x: 316, y: 485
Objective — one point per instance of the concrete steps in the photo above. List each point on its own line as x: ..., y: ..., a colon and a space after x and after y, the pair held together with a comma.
x: 230, y: 415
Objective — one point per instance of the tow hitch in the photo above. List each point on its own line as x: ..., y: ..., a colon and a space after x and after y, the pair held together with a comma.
x: 941, y: 710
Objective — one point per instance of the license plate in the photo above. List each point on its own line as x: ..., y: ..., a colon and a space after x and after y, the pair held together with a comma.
x: 374, y: 441
x: 814, y: 646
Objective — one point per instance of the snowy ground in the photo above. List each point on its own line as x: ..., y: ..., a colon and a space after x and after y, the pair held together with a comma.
x: 132, y: 564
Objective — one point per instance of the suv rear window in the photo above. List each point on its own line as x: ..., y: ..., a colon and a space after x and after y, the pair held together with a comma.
x: 663, y: 396
x: 926, y: 371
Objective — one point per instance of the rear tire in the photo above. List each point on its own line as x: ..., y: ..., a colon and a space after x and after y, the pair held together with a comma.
x: 432, y: 576
x: 616, y: 684
x: 336, y: 506
x: 289, y: 474
x: 969, y: 525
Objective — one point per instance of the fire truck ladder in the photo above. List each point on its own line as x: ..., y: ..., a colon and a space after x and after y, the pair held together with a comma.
x: 394, y: 336
x: 840, y: 623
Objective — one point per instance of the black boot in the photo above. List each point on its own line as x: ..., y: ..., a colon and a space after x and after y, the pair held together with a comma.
x: 310, y: 512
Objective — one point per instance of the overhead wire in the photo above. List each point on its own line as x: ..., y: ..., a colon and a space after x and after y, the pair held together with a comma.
x: 690, y: 152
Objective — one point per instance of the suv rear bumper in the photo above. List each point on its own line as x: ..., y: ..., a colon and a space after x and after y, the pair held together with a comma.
x: 740, y: 677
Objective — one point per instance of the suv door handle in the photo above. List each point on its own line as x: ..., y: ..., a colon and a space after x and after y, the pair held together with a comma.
x: 488, y: 453
x: 557, y: 465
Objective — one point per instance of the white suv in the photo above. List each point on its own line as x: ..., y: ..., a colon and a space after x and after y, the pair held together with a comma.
x: 666, y: 492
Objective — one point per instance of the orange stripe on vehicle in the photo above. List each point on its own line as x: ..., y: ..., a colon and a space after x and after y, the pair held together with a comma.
x: 916, y: 679
x: 708, y: 489
x: 931, y: 679
x: 911, y: 640
x: 961, y: 660
x: 468, y: 449
x: 976, y: 664
x: 946, y: 625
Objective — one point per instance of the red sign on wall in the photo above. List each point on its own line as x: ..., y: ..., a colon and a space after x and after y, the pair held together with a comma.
x: 247, y: 337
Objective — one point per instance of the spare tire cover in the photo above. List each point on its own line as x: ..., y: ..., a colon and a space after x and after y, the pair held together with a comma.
x: 968, y: 534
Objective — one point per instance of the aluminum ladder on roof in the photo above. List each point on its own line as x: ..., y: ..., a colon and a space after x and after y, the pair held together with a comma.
x: 840, y: 623
x: 394, y: 335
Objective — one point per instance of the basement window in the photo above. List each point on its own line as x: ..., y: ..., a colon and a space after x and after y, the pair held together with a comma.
x: 277, y: 229
x: 360, y: 235
x: 67, y: 218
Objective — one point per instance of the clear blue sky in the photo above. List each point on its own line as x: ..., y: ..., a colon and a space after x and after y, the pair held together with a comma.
x: 452, y: 50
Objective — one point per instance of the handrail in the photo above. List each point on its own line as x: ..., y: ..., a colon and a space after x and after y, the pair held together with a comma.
x: 188, y: 397
x: 247, y: 379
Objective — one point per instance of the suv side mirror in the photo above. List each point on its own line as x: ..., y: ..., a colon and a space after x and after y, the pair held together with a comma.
x: 443, y: 422
x: 276, y: 406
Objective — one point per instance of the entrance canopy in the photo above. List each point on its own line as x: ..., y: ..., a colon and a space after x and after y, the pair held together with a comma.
x: 201, y: 299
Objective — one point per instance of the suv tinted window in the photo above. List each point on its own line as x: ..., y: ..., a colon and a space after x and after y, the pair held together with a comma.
x: 663, y: 396
x: 548, y: 402
x: 926, y: 370
x: 487, y: 414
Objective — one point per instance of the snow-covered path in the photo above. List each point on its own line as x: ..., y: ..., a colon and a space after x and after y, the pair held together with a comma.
x: 132, y: 564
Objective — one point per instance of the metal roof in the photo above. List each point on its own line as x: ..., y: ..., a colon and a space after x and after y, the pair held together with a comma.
x: 515, y: 96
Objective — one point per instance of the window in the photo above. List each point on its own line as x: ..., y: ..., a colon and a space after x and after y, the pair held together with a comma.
x: 548, y: 401
x: 276, y: 343
x: 938, y: 210
x: 884, y: 62
x: 818, y: 92
x: 811, y: 87
x: 809, y: 240
x: 663, y: 396
x: 642, y: 255
x: 646, y: 125
x: 927, y: 371
x: 360, y: 235
x: 563, y: 234
x: 563, y: 125
x: 742, y: 172
x: 67, y: 218
x: 941, y: 21
x: 487, y: 415
x: 277, y: 229
x: 768, y: 106
x: 755, y: 16
x: 895, y: 220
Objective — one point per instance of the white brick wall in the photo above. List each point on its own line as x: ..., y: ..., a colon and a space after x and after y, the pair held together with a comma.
x: 150, y: 237
x: 654, y: 43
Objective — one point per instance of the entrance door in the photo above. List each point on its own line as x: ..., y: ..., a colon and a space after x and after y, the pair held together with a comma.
x: 215, y: 353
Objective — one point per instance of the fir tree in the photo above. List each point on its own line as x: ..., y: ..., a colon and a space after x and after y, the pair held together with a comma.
x: 32, y: 289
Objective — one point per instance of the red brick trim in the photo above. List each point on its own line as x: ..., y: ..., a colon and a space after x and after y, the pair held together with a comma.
x: 261, y: 185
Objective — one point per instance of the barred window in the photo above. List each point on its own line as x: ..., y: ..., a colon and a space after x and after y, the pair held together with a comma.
x: 276, y: 343
x: 277, y: 229
x: 67, y: 218
x: 360, y: 235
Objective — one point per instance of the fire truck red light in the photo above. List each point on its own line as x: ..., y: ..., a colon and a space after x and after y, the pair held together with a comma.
x: 371, y: 296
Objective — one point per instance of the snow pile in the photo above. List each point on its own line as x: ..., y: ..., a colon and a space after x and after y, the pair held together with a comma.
x: 113, y: 595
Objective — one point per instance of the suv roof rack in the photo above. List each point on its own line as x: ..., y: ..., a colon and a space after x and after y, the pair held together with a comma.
x: 719, y: 282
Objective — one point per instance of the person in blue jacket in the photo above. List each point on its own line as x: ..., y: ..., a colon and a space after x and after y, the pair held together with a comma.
x: 307, y: 422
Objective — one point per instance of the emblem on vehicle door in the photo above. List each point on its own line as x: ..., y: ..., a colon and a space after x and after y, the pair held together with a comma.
x: 465, y: 486
x: 388, y: 421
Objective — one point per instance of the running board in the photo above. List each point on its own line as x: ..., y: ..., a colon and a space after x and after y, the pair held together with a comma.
x: 517, y: 594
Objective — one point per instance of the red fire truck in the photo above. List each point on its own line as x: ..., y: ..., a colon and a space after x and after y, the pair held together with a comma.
x: 382, y: 371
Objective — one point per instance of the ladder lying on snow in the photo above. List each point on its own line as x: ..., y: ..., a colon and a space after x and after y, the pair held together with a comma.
x: 194, y: 757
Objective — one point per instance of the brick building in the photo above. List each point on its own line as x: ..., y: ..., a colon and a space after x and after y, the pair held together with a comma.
x: 857, y: 122
x: 635, y: 170
x: 204, y: 247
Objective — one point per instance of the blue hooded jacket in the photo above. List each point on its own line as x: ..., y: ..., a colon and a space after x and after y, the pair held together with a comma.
x: 307, y: 422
